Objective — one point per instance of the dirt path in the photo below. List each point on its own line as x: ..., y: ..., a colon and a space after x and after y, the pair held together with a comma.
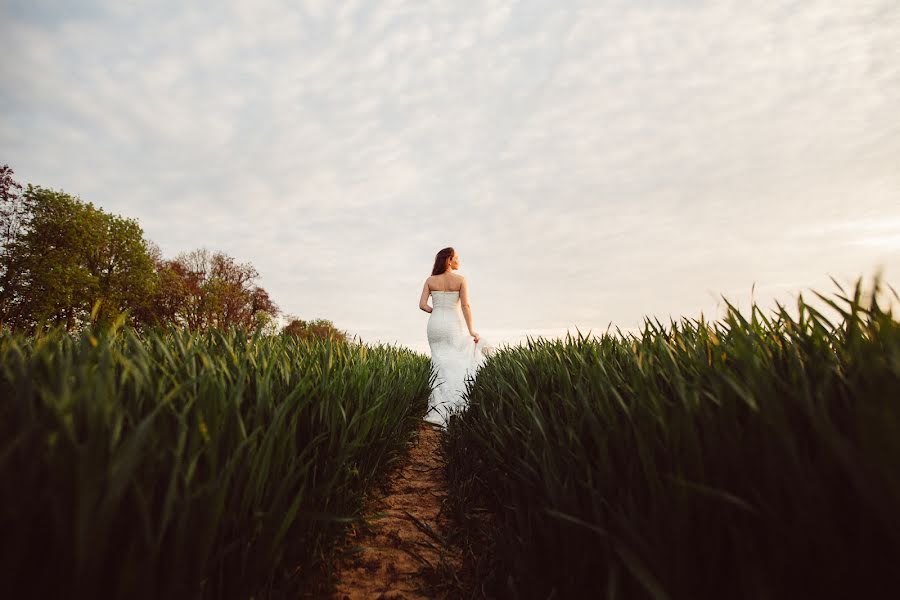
x: 401, y: 554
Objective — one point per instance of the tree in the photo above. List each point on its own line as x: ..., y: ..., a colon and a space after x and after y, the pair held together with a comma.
x: 262, y: 309
x: 70, y: 257
x: 122, y: 265
x: 166, y: 304
x: 202, y: 289
x: 64, y: 261
x: 12, y: 217
x: 316, y: 328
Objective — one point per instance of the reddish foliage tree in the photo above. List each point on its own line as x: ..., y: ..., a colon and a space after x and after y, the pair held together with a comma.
x: 201, y: 289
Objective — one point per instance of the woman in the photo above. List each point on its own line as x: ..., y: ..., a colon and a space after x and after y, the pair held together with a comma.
x: 457, y: 351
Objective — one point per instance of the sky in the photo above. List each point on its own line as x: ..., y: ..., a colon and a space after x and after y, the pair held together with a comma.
x: 592, y: 163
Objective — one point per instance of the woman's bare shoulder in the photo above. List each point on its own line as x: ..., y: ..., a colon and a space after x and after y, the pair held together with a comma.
x: 440, y: 281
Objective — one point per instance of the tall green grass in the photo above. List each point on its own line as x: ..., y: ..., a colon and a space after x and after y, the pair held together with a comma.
x: 178, y: 465
x: 754, y: 457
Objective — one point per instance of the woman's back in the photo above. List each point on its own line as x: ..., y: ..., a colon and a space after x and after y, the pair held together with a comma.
x: 445, y: 282
x: 446, y: 329
x: 445, y: 299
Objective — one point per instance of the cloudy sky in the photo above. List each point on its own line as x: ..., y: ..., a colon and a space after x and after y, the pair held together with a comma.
x: 591, y: 162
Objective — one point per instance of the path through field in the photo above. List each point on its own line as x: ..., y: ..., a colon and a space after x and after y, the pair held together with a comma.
x: 400, y: 553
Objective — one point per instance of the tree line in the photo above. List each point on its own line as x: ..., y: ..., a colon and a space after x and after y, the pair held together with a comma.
x: 65, y: 262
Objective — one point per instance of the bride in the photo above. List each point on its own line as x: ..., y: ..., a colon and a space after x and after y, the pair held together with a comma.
x: 457, y: 351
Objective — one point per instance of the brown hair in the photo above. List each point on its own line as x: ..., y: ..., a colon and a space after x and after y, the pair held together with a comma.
x: 441, y: 262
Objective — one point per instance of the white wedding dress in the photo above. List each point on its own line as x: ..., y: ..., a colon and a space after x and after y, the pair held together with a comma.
x: 455, y: 357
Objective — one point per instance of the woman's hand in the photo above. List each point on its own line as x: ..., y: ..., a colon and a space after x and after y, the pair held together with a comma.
x: 475, y: 335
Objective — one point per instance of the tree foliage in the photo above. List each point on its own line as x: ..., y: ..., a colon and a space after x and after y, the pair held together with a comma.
x: 66, y: 262
x: 202, y: 289
x: 12, y: 216
x: 69, y: 257
x: 315, y: 328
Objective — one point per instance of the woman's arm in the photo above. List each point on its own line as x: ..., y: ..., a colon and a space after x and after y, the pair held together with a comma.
x: 464, y: 303
x: 423, y: 301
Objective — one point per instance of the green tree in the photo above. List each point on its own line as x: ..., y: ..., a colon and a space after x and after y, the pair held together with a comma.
x: 64, y: 261
x: 71, y: 257
x: 122, y: 266
x: 316, y: 328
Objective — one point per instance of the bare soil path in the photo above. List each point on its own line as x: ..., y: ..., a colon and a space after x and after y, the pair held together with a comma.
x: 400, y: 552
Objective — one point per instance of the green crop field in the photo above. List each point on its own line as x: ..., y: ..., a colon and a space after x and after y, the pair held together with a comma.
x: 178, y: 465
x: 756, y: 457
x: 753, y: 457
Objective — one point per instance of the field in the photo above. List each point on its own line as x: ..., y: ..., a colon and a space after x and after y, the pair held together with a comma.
x: 176, y: 465
x: 757, y: 457
x: 753, y: 457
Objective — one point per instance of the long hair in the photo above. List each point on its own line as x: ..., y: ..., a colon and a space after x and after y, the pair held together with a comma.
x: 440, y: 261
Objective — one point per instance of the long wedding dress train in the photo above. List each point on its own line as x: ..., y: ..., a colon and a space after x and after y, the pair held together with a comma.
x: 455, y: 357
